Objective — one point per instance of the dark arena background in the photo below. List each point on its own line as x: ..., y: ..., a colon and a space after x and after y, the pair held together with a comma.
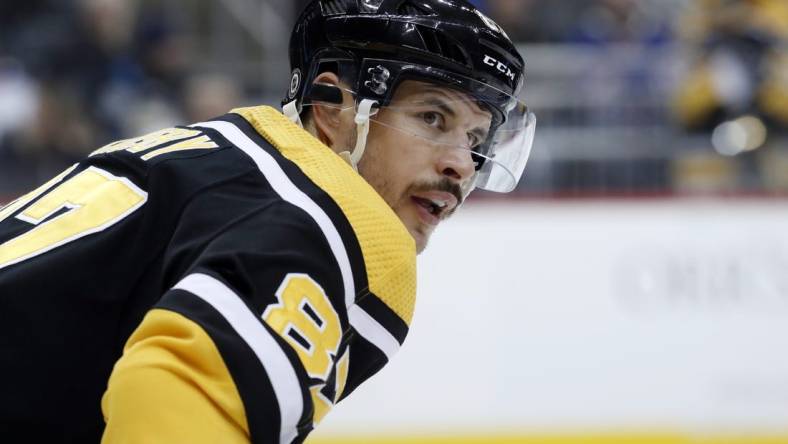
x: 638, y: 292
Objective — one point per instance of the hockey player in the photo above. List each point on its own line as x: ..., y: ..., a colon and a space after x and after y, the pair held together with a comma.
x: 231, y: 280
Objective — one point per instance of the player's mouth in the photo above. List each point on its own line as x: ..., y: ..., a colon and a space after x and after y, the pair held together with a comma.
x: 434, y: 206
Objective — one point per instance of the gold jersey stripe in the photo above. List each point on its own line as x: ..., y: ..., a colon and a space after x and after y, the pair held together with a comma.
x: 388, y: 249
x: 645, y: 438
x: 170, y: 360
x: 198, y: 143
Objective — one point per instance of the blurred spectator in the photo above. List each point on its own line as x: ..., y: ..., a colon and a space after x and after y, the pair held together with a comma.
x: 583, y: 21
x: 18, y: 107
x: 75, y: 75
x: 621, y: 21
x: 54, y: 137
x: 741, y: 62
x: 19, y: 96
x: 527, y: 20
x: 83, y: 73
x: 209, y: 96
x: 32, y: 30
x: 736, y: 84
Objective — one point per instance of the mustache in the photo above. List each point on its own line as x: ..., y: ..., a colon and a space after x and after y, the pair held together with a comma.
x: 445, y: 185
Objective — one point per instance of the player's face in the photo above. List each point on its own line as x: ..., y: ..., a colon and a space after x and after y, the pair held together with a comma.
x: 418, y: 155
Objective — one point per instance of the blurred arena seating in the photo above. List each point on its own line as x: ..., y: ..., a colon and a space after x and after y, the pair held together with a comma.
x: 634, y: 98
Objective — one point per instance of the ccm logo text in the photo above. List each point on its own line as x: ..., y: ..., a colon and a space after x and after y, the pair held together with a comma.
x: 500, y: 66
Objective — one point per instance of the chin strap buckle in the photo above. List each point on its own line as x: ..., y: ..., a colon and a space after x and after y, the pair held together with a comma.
x: 290, y: 110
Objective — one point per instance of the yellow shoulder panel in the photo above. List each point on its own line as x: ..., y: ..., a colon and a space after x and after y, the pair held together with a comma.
x: 171, y: 362
x: 389, y: 250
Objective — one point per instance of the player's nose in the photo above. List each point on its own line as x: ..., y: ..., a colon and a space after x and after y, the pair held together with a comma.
x: 456, y: 163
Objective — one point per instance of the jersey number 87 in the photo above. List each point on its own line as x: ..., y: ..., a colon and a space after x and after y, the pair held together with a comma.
x: 305, y: 318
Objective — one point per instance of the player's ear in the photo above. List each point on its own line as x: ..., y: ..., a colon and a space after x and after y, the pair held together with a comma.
x: 329, y: 120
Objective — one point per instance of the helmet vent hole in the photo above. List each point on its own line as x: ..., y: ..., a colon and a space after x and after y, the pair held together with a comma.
x: 438, y: 43
x: 333, y: 7
x: 370, y: 6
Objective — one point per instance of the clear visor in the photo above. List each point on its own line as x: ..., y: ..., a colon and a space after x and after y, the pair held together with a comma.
x: 494, y: 135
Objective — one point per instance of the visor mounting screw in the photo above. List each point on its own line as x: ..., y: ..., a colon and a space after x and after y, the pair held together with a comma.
x: 379, y: 75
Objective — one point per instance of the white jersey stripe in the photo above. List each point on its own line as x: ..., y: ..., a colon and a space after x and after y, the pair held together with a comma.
x: 373, y: 332
x: 283, y: 377
x: 365, y: 324
x: 290, y: 192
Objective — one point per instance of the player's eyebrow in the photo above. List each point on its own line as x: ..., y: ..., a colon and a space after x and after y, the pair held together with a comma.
x: 441, y: 104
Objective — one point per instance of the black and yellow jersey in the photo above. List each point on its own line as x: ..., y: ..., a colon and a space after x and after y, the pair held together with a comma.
x: 223, y: 282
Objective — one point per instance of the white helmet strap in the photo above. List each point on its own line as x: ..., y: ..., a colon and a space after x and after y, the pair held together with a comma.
x: 290, y: 110
x: 365, y: 111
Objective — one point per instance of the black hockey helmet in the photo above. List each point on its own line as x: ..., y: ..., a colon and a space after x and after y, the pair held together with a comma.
x: 378, y: 35
x: 376, y: 44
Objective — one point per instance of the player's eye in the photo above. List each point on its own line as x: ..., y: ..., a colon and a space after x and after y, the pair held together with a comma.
x: 473, y: 140
x: 433, y: 119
